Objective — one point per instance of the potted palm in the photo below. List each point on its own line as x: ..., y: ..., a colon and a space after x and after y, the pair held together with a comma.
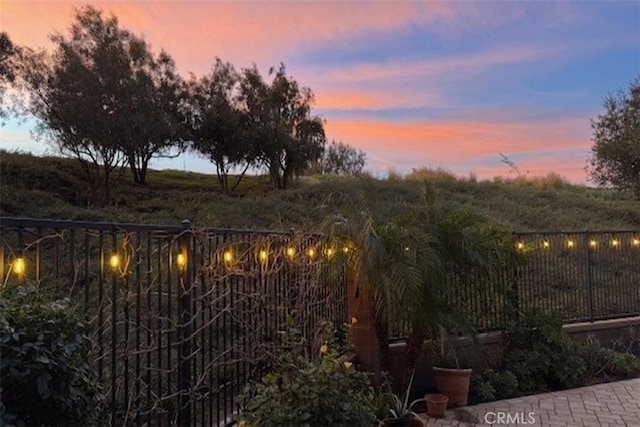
x: 452, y: 374
x: 411, y: 258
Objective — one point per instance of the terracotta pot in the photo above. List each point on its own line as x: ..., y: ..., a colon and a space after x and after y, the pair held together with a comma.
x: 436, y: 404
x: 455, y: 384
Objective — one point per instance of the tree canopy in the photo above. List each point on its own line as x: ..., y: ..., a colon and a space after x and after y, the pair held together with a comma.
x: 615, y: 155
x: 104, y: 98
x: 218, y: 124
x: 287, y: 136
x: 340, y: 158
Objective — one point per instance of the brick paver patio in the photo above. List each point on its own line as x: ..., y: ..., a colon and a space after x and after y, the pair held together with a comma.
x: 611, y: 404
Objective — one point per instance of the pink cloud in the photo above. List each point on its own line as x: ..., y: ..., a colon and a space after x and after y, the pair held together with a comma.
x: 240, y: 32
x: 328, y: 97
x: 447, y: 144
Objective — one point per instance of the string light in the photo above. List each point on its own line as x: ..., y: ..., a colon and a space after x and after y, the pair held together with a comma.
x: 227, y: 256
x: 520, y: 245
x: 636, y: 242
x: 181, y: 260
x: 263, y: 255
x: 615, y: 243
x: 330, y: 252
x: 545, y: 244
x: 19, y: 266
x: 593, y: 243
x: 570, y: 243
x: 311, y: 253
x: 291, y: 252
x: 114, y: 261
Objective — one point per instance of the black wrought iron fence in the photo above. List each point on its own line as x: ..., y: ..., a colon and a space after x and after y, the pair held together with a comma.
x: 581, y: 276
x: 182, y: 317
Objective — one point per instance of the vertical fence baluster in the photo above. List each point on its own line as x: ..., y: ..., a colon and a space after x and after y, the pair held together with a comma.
x: 149, y: 342
x: 159, y: 325
x: 137, y: 374
x: 184, y: 290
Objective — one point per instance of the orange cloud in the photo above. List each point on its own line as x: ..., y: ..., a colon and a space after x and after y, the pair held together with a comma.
x: 240, y: 32
x: 372, y: 99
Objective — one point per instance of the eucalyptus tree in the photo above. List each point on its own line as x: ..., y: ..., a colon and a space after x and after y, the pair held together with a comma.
x: 103, y: 98
x: 218, y: 123
x: 340, y: 158
x: 615, y: 155
x: 152, y: 110
x: 72, y: 94
x: 280, y: 124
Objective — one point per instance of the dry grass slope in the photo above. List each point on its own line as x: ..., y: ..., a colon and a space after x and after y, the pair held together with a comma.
x: 49, y: 187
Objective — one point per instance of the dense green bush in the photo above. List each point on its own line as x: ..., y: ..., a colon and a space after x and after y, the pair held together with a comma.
x: 493, y: 384
x: 45, y: 378
x: 540, y: 355
x: 299, y: 391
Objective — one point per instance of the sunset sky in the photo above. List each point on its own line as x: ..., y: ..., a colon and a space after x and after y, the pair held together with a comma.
x: 413, y: 84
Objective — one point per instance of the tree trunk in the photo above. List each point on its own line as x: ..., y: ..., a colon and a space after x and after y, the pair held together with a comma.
x: 142, y: 173
x: 134, y: 169
x: 382, y: 333
x: 415, y: 343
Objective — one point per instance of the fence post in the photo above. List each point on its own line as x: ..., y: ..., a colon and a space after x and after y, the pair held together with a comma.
x: 363, y: 334
x: 589, y: 278
x: 186, y: 265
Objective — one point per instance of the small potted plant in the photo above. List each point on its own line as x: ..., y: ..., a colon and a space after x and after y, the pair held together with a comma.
x: 400, y: 412
x: 452, y: 375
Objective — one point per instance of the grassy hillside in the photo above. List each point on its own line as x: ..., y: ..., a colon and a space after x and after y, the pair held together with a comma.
x: 53, y: 188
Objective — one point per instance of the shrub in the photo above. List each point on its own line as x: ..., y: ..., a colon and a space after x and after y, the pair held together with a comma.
x: 605, y: 361
x: 45, y: 377
x: 301, y: 392
x: 541, y: 356
x: 494, y: 385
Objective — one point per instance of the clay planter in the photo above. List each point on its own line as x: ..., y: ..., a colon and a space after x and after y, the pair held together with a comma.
x: 436, y: 404
x: 454, y: 383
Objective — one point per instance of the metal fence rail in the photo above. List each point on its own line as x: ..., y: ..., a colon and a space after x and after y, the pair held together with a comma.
x: 182, y: 317
x: 581, y: 276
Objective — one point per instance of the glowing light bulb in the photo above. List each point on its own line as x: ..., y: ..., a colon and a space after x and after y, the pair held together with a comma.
x: 19, y: 266
x: 545, y: 244
x: 181, y: 260
x: 114, y: 261
x: 520, y: 245
x: 636, y: 242
x: 615, y: 243
x: 311, y: 253
x: 593, y: 243
x: 291, y: 252
x: 227, y: 256
x: 263, y: 255
x: 570, y: 243
x: 330, y: 252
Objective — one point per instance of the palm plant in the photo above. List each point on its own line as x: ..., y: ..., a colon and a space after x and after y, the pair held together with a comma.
x: 410, y: 257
